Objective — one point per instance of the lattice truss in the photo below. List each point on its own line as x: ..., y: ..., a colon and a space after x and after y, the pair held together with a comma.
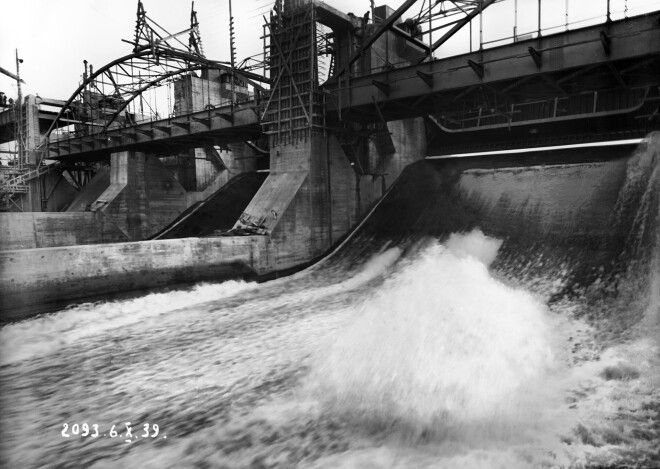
x: 428, y: 24
x: 139, y: 86
x: 439, y: 17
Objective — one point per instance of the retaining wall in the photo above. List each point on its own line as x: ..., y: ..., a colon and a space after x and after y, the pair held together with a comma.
x: 38, y: 280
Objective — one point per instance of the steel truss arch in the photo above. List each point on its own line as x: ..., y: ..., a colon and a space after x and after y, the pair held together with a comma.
x: 442, y: 17
x: 96, y: 96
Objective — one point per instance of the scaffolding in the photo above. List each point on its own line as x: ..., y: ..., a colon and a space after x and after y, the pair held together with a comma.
x: 295, y: 105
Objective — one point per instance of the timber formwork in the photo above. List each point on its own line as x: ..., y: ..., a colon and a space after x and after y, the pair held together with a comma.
x: 296, y: 104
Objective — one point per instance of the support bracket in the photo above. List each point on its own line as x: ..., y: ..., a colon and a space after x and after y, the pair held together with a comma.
x: 148, y: 132
x: 381, y: 85
x: 182, y: 125
x: 606, y: 41
x: 426, y: 78
x: 477, y: 68
x: 164, y: 129
x: 226, y: 116
x: 201, y: 120
x: 536, y: 55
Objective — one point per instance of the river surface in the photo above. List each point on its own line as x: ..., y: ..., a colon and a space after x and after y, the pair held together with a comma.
x: 511, y: 319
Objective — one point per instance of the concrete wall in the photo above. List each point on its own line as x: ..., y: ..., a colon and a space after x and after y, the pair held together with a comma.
x: 389, y: 49
x: 28, y: 230
x: 409, y: 141
x: 313, y: 197
x: 293, y: 233
x: 200, y: 167
x: 143, y: 196
x: 294, y: 206
x: 132, y: 200
x: 77, y: 272
x: 192, y: 93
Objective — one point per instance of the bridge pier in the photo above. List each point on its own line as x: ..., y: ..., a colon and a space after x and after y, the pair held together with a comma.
x: 314, y: 196
x: 305, y: 202
x: 323, y: 177
x: 143, y: 196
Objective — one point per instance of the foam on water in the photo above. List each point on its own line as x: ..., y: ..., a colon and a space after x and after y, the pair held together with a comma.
x: 443, y: 348
x: 422, y: 356
x: 48, y: 333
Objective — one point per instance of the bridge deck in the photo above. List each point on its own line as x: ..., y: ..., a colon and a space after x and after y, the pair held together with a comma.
x: 46, y: 116
x: 605, y: 56
x: 582, y: 79
x: 198, y: 129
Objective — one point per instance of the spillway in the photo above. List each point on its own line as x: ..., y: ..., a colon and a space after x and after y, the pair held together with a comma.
x: 493, y: 312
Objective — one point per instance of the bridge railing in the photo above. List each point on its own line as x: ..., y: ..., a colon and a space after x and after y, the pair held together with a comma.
x: 557, y: 28
x: 480, y: 34
x: 151, y: 84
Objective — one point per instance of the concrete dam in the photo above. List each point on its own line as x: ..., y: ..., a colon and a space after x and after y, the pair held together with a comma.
x: 360, y: 297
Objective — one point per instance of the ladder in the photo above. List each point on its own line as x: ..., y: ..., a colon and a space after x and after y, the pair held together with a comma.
x: 17, y: 184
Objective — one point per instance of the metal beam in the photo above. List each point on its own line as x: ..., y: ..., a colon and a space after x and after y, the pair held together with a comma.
x: 552, y: 83
x: 199, y: 62
x: 477, y: 68
x: 459, y: 24
x: 536, y: 56
x: 166, y: 132
x: 408, y: 37
x: 9, y: 74
x: 617, y: 75
x: 379, y: 32
x: 580, y: 54
x: 578, y: 72
x: 426, y: 78
x: 606, y: 41
x: 382, y: 85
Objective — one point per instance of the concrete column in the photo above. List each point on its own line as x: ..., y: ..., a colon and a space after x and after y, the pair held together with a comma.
x: 143, y: 195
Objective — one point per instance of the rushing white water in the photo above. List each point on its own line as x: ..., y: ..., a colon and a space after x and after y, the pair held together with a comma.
x: 423, y: 361
x: 441, y: 344
x: 49, y: 333
x: 428, y: 353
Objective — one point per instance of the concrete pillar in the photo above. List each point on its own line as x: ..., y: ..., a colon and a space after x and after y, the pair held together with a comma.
x: 191, y: 94
x: 31, y: 131
x: 313, y: 195
x: 143, y: 196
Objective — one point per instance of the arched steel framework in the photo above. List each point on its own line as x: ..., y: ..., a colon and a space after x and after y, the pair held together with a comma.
x: 431, y: 26
x: 106, y: 93
x: 109, y: 97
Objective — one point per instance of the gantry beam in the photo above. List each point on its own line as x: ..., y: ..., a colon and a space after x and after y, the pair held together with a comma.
x: 389, y: 24
x: 462, y: 22
x: 564, y: 58
x: 210, y: 126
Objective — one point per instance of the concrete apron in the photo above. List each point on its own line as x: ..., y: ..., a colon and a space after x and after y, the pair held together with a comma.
x: 34, y: 281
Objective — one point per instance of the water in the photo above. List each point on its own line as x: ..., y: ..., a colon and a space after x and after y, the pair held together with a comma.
x: 485, y: 316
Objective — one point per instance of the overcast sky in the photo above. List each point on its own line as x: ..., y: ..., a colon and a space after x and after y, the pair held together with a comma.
x: 53, y: 37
